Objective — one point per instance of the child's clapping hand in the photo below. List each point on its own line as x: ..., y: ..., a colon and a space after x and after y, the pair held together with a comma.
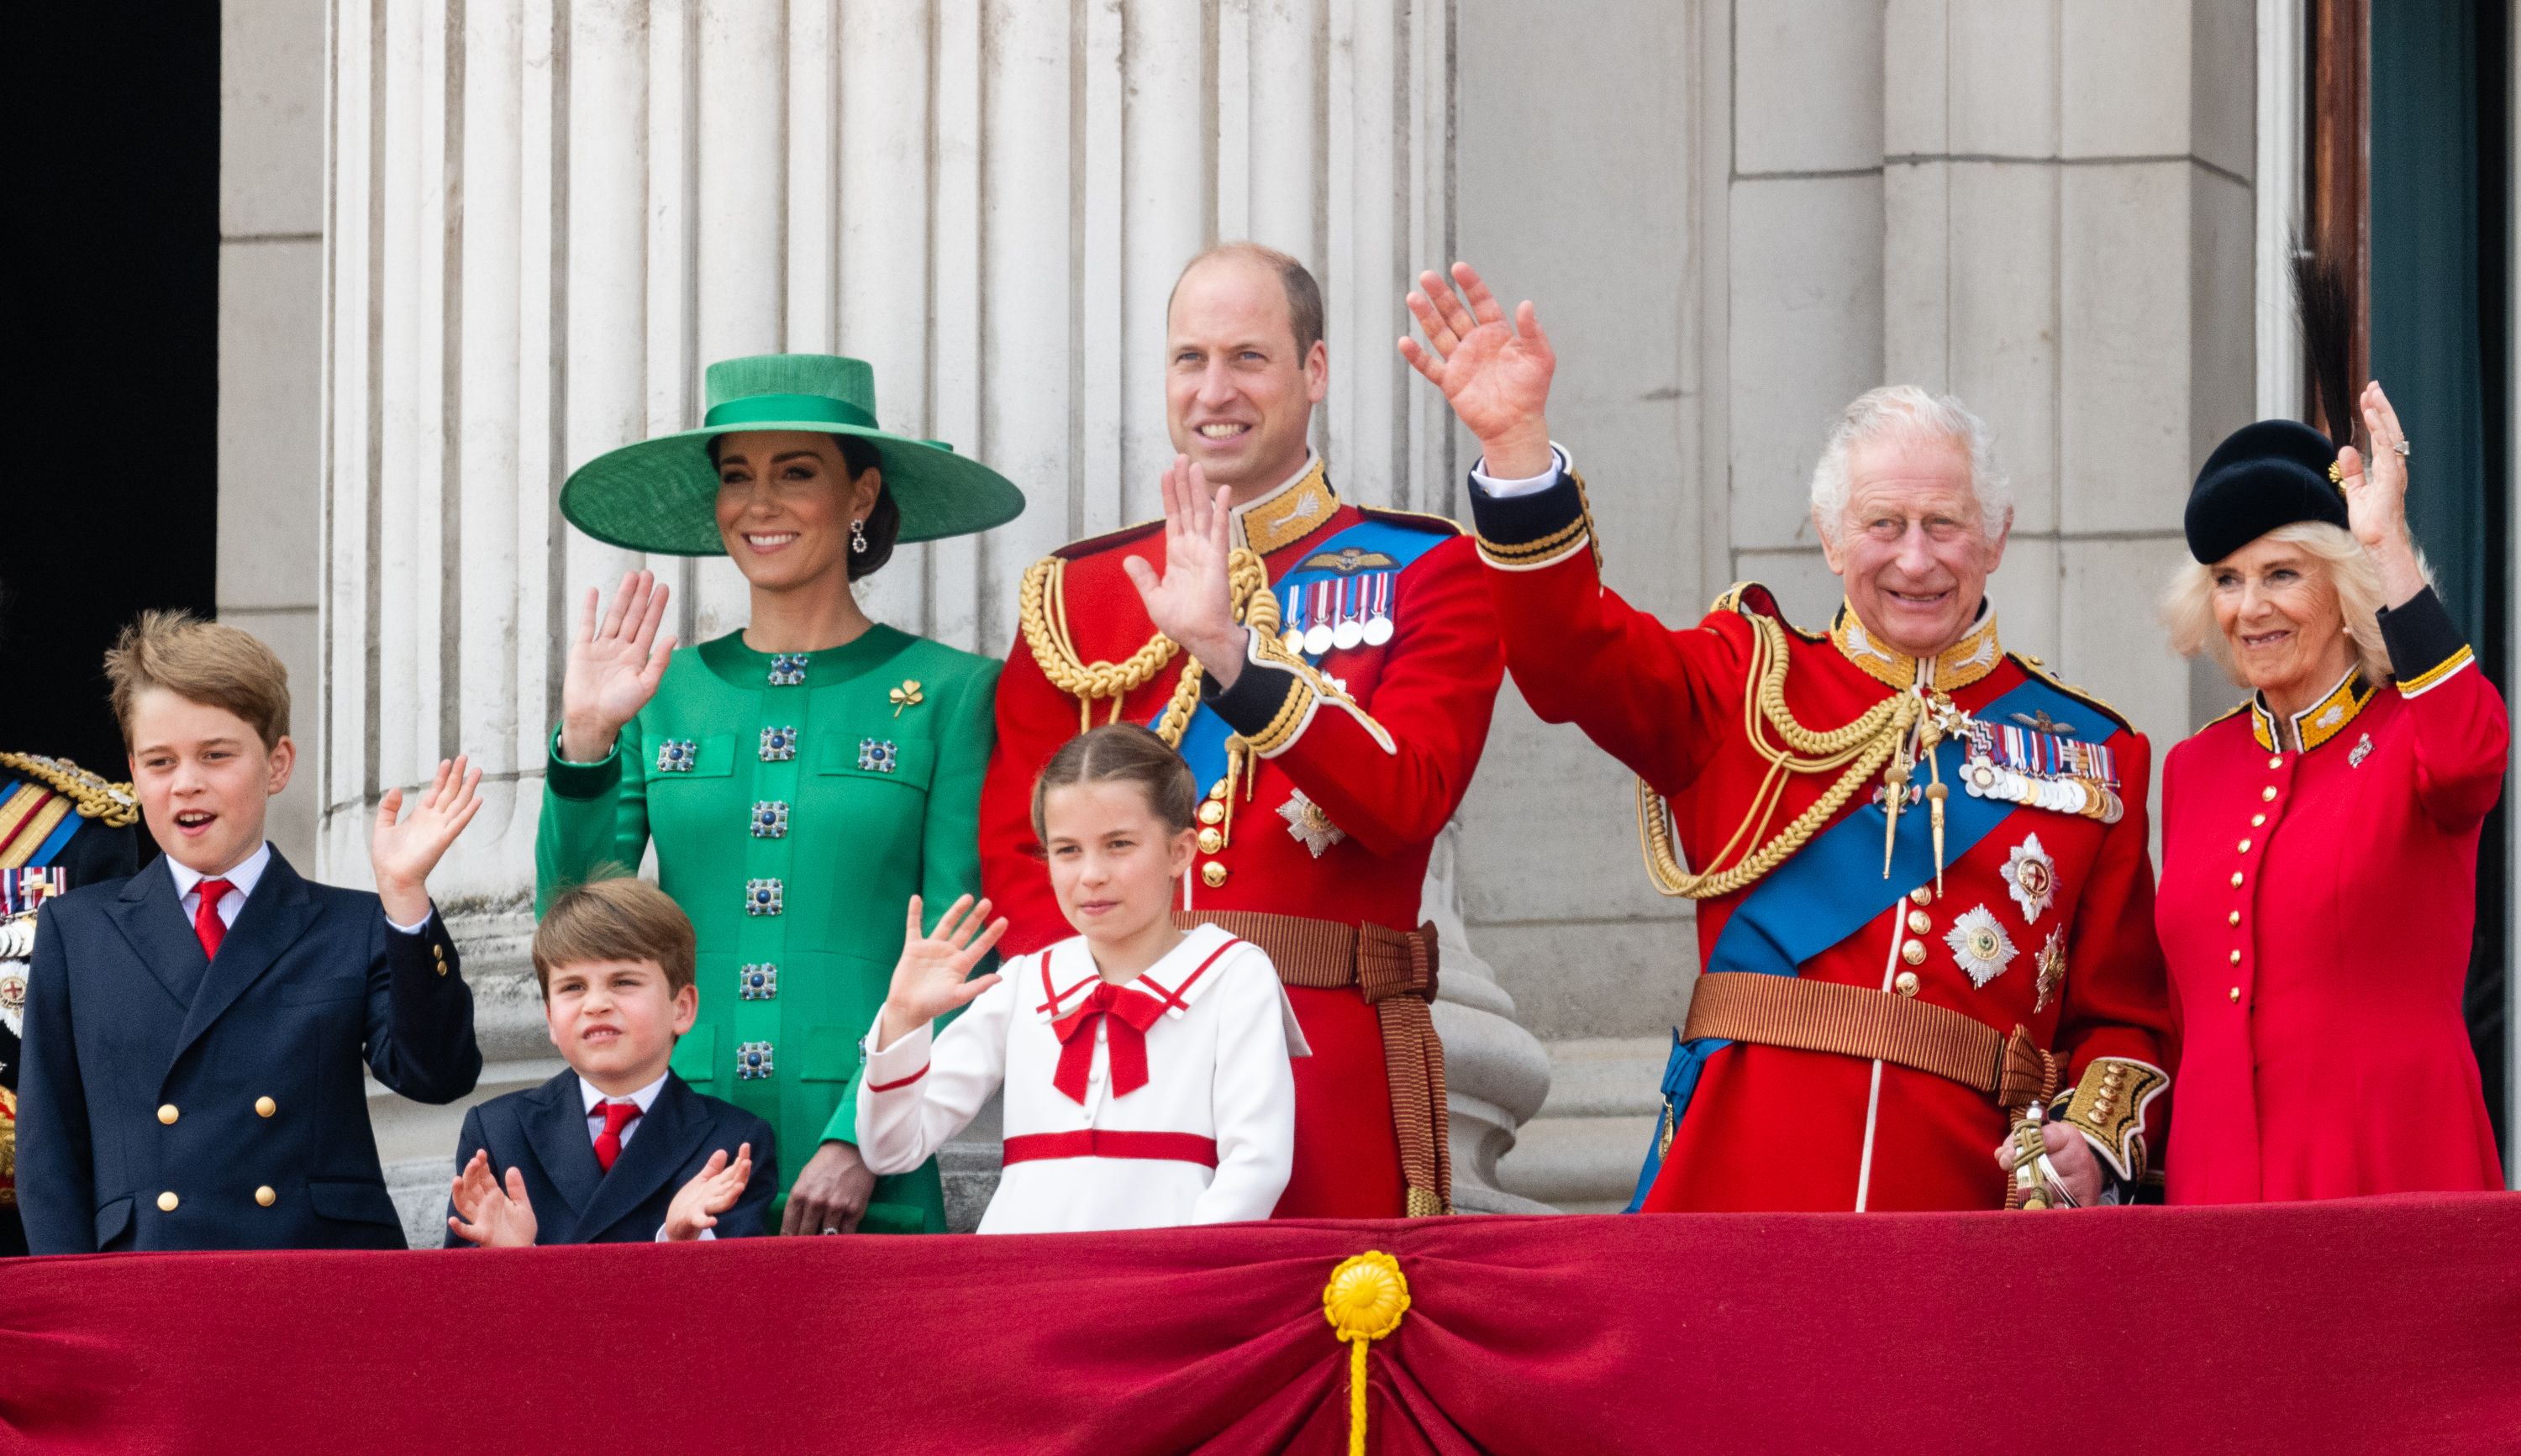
x: 930, y: 978
x: 713, y: 1191
x: 486, y: 1214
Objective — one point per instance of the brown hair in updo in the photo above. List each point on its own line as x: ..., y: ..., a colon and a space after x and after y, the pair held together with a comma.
x: 1124, y: 752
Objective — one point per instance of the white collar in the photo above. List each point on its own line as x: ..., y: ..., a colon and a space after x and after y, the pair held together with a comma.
x: 1176, y: 979
x: 247, y: 872
x: 646, y: 1096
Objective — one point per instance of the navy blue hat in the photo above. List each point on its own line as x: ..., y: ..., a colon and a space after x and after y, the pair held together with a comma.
x: 2263, y: 475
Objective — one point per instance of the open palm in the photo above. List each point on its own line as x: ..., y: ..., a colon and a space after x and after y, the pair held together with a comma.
x: 1495, y: 374
x: 613, y: 665
x: 931, y: 979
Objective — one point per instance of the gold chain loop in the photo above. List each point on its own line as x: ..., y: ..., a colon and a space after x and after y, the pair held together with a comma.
x: 1861, y: 748
x: 1042, y: 609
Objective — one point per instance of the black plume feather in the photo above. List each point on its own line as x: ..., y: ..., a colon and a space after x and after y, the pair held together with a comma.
x: 2325, y: 305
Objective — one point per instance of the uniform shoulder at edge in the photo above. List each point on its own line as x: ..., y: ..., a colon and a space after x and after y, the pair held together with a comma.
x: 1750, y: 599
x: 1097, y: 545
x: 1442, y: 526
x: 2085, y: 695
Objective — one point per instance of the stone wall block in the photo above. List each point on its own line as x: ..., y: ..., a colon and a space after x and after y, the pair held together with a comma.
x: 1806, y: 332
x: 1807, y: 79
x: 2005, y: 79
x: 2124, y: 432
x: 2004, y: 327
x: 2127, y: 74
x: 271, y: 107
x: 1917, y: 272
x: 1916, y: 79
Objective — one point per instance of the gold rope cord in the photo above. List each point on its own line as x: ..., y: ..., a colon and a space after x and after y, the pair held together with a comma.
x: 1042, y: 607
x: 1861, y: 748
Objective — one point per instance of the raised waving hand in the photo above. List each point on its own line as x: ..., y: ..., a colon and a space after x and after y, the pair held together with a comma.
x: 1495, y: 374
x: 405, y: 847
x: 2376, y: 499
x: 1191, y: 602
x: 931, y: 979
x: 614, y: 666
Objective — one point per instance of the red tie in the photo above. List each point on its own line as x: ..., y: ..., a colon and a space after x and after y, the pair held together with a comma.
x: 206, y: 917
x: 1127, y: 1015
x: 608, y: 1143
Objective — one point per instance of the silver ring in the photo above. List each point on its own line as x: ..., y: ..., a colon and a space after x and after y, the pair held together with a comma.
x: 831, y: 1230
x: 2404, y: 448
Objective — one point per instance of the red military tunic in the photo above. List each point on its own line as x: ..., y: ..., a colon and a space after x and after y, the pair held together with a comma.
x: 2043, y: 924
x: 1344, y: 794
x: 2318, y: 895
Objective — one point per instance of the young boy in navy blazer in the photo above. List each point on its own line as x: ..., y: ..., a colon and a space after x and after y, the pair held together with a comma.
x: 196, y: 1034
x: 617, y: 1149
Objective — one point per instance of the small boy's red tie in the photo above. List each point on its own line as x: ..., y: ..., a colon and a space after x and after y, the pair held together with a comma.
x: 608, y: 1143
x: 206, y: 917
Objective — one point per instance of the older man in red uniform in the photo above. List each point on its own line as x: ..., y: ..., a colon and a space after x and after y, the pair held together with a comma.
x: 1327, y: 670
x: 1925, y: 898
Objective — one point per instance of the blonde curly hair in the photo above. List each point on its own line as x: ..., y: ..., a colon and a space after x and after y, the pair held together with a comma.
x: 2188, y: 605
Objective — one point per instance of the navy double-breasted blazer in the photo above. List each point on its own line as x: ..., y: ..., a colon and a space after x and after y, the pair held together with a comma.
x: 170, y: 1102
x: 541, y: 1131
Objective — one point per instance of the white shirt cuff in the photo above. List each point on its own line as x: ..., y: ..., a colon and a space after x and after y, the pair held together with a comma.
x: 706, y: 1235
x: 1496, y: 490
x: 419, y: 926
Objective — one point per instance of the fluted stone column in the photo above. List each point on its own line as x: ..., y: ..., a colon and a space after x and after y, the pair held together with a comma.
x: 545, y: 216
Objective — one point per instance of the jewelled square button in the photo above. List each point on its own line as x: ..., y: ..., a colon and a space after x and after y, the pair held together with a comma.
x: 752, y: 1061
x: 763, y: 897
x: 778, y: 745
x: 677, y: 755
x: 756, y: 981
x: 787, y: 669
x: 770, y: 819
x: 878, y: 754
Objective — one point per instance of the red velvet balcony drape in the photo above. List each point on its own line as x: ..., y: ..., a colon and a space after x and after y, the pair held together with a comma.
x: 2369, y: 1325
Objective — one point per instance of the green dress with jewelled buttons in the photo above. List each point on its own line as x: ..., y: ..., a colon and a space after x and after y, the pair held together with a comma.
x: 797, y: 802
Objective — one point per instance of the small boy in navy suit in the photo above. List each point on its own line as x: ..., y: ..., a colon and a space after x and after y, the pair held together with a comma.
x: 196, y: 1033
x: 617, y: 1149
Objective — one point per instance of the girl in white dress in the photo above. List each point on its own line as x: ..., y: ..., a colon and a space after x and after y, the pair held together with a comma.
x: 1145, y: 1067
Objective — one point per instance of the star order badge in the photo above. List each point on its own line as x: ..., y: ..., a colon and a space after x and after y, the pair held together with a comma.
x: 2031, y: 876
x: 1308, y: 823
x: 1981, y: 946
x: 2052, y: 969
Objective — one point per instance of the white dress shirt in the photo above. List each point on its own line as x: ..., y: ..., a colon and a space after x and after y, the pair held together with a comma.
x: 646, y: 1098
x: 1496, y: 490
x: 242, y: 878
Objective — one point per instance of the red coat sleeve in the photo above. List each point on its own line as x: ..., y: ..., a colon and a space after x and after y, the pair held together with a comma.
x: 1658, y: 700
x: 1393, y: 773
x: 2462, y: 735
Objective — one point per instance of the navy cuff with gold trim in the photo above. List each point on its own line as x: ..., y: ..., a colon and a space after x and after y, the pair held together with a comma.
x: 1529, y: 531
x: 1264, y: 698
x: 2425, y: 645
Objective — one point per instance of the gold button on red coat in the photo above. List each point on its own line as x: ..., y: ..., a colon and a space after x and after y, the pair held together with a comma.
x: 1906, y: 983
x: 2236, y: 995
x: 2232, y: 919
x: 1913, y: 952
x: 1211, y: 875
x: 1920, y: 922
x: 1923, y: 894
x: 2245, y: 847
x: 2275, y: 763
x: 2236, y: 958
x: 2257, y: 819
x: 2236, y: 878
x: 2268, y: 793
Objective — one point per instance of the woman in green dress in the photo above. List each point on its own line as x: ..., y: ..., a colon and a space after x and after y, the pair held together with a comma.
x: 800, y: 778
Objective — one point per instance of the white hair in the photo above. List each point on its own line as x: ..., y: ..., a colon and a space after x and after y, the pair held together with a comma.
x: 1904, y: 410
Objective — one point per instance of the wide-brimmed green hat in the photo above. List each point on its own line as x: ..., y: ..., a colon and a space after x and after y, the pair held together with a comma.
x: 661, y: 494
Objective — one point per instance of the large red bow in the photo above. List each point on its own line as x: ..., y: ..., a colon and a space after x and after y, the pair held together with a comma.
x: 1126, y: 1015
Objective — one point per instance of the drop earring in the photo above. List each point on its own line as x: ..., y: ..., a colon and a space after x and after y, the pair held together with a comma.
x: 857, y: 538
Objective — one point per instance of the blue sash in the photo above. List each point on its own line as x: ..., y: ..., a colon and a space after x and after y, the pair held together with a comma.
x: 1834, y: 887
x: 1203, y: 745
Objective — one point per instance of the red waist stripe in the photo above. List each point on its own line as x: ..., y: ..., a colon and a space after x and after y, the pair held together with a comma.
x: 1096, y: 1142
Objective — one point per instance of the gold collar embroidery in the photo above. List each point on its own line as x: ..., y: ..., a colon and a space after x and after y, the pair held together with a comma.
x: 1965, y: 662
x: 2314, y: 725
x: 1289, y: 513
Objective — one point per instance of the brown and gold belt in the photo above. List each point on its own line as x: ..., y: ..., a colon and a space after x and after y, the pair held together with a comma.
x: 1396, y: 972
x: 1813, y: 1016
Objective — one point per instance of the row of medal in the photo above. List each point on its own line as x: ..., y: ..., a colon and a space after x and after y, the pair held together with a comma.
x: 2044, y: 770
x: 1337, y: 612
x: 20, y: 892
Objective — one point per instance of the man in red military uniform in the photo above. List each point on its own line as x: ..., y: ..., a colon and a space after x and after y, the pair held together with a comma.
x: 1327, y: 670
x: 1925, y: 898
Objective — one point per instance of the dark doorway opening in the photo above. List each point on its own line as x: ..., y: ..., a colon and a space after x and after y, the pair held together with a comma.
x: 111, y: 498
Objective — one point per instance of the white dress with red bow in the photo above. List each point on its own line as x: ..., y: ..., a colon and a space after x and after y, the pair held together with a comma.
x: 1169, y: 1100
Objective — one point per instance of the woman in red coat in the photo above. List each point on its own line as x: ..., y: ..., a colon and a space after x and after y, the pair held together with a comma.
x: 2319, y: 842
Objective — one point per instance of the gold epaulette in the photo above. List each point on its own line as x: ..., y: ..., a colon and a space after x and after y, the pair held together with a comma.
x: 93, y: 795
x: 1756, y: 598
x: 2085, y: 695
